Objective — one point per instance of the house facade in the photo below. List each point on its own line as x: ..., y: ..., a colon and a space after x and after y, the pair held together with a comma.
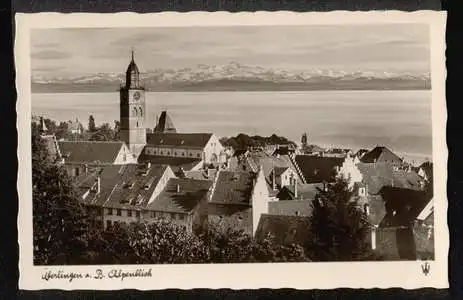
x: 238, y: 199
x: 202, y: 146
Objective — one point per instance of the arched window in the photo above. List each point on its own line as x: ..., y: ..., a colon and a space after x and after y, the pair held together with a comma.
x: 134, y: 112
x: 140, y: 112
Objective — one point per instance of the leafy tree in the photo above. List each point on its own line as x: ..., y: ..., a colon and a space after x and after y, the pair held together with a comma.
x: 244, y: 141
x: 229, y: 245
x: 59, y: 221
x: 91, y: 124
x: 339, y: 226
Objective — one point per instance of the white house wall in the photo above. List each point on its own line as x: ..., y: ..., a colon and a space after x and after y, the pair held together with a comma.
x: 259, y: 199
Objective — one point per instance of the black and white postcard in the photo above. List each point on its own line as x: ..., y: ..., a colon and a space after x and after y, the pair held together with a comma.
x: 220, y: 150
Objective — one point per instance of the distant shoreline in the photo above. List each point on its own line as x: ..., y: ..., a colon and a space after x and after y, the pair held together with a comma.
x: 57, y: 91
x: 234, y: 85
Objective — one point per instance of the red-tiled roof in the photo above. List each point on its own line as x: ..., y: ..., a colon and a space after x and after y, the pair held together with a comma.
x: 185, y: 140
x: 381, y: 155
x: 90, y: 152
x: 317, y: 168
x: 189, y: 194
x: 284, y: 229
x: 233, y: 188
x: 290, y: 208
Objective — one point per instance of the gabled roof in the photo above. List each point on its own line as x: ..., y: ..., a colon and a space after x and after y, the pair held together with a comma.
x: 380, y: 155
x: 185, y: 140
x: 318, y: 168
x: 285, y: 230
x: 403, y: 206
x: 290, y: 208
x: 283, y: 150
x: 304, y: 191
x: 189, y: 194
x: 186, y: 163
x: 165, y: 124
x: 126, y: 186
x: 90, y: 152
x: 279, y: 170
x: 382, y: 174
x: 233, y: 188
x: 52, y: 146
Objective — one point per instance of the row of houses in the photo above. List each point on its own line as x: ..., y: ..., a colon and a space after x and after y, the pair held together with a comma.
x: 396, y: 196
x: 261, y: 192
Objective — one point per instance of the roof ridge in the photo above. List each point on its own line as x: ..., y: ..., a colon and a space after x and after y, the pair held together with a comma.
x: 84, y: 141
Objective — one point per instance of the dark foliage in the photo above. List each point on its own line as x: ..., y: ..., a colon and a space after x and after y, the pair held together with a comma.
x: 91, y: 124
x: 60, y: 225
x: 244, y: 141
x: 339, y: 226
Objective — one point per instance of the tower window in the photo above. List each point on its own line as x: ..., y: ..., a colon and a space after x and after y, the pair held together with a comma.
x: 183, y: 153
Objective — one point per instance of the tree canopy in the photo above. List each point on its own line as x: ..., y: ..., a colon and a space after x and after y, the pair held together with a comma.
x: 60, y: 225
x: 244, y: 141
x: 339, y: 226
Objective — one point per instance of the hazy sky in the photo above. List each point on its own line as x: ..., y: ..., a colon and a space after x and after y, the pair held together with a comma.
x: 72, y: 52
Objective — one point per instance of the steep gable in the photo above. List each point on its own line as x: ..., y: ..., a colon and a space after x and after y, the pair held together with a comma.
x: 381, y: 155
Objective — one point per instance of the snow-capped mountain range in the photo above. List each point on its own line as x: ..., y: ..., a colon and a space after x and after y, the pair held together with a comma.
x: 235, y: 76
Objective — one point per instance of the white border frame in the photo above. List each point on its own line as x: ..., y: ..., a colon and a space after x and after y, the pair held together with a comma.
x: 406, y: 275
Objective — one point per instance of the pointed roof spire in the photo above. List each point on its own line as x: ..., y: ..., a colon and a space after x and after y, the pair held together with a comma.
x: 133, y: 54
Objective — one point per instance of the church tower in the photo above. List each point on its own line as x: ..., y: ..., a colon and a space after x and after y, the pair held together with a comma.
x: 133, y: 110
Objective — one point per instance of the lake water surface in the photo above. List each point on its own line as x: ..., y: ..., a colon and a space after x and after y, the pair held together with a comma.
x: 400, y: 120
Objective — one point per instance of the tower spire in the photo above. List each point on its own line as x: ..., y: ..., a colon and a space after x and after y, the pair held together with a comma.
x: 133, y: 54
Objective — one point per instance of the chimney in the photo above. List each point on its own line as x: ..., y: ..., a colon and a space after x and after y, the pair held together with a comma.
x: 148, y: 165
x: 86, y: 168
x: 178, y: 188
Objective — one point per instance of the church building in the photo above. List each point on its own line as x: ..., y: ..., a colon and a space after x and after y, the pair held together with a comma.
x: 165, y: 141
x: 133, y: 110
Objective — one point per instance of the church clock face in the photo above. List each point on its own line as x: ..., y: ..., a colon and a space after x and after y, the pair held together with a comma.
x: 136, y: 96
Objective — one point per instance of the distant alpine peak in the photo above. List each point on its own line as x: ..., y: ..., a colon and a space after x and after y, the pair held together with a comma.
x: 234, y: 70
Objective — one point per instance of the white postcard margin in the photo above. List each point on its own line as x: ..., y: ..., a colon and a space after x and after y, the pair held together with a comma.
x: 408, y: 275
